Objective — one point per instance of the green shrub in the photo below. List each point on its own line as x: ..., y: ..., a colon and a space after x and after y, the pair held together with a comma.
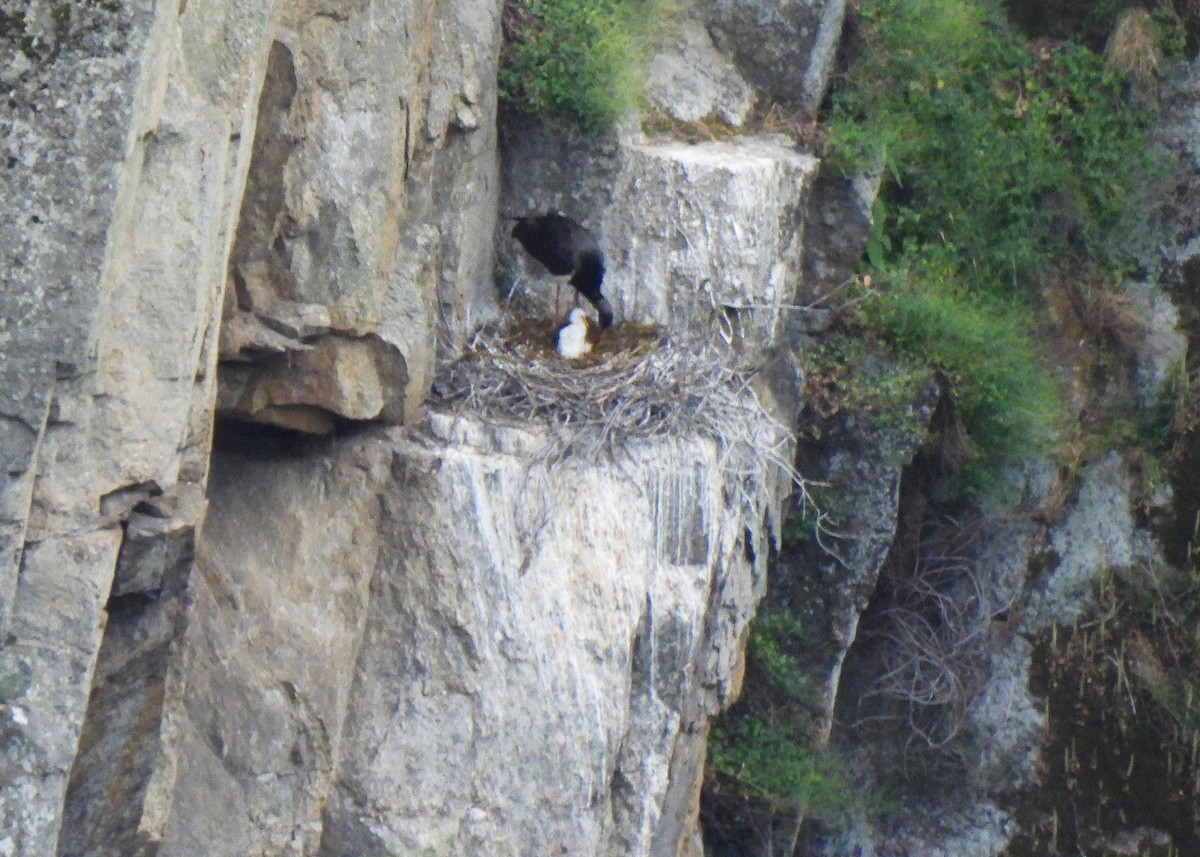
x: 776, y: 763
x: 1171, y: 31
x: 578, y: 60
x: 773, y: 636
x: 763, y: 750
x: 1009, y: 167
x: 1003, y: 390
x: 1006, y: 160
x: 883, y: 394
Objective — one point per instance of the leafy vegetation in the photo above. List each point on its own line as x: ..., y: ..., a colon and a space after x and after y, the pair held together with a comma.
x: 1012, y: 174
x: 1001, y: 390
x: 776, y: 763
x: 888, y: 397
x: 1011, y: 170
x: 763, y: 757
x: 581, y: 61
x: 1007, y: 166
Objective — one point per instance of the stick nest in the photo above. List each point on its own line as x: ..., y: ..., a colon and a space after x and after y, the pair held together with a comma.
x: 636, y: 383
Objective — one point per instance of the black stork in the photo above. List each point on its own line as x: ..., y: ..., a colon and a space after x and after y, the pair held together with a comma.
x: 566, y: 248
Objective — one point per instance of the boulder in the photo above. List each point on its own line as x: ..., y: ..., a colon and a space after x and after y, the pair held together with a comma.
x: 786, y: 48
x: 690, y: 80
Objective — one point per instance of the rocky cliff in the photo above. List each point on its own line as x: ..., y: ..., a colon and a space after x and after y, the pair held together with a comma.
x: 266, y: 211
x: 306, y: 632
x: 277, y: 580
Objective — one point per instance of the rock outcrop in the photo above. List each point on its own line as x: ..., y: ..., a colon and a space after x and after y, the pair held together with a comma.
x: 322, y: 635
x: 538, y: 677
x: 373, y: 174
x: 125, y: 147
x: 690, y: 80
x: 129, y: 133
x: 786, y: 49
x: 698, y: 238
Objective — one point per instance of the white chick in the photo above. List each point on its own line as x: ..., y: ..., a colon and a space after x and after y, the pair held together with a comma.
x: 573, y: 337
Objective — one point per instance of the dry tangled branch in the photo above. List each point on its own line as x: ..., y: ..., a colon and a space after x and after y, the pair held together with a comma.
x: 933, y: 627
x: 638, y: 385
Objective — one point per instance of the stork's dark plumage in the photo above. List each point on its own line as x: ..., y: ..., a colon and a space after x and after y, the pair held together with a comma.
x: 565, y: 247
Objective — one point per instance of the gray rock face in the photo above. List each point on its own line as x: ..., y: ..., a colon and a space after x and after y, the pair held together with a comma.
x: 422, y: 639
x: 122, y: 166
x: 50, y: 174
x: 373, y: 174
x: 1098, y: 535
x: 127, y: 135
x: 709, y: 236
x: 691, y: 80
x: 786, y: 49
x: 838, y: 224
x: 280, y: 597
x: 280, y: 209
x: 375, y: 636
x: 588, y: 632
x: 1179, y: 124
x: 1003, y: 725
x: 120, y: 762
x: 1163, y: 346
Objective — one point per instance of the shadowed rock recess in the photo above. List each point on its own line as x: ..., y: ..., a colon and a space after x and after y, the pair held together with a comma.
x: 276, y: 580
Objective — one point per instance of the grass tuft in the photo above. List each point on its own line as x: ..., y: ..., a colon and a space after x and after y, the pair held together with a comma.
x: 1005, y: 393
x: 582, y: 61
x: 1133, y: 46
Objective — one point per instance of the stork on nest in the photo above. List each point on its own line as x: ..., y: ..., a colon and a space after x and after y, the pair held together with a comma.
x: 567, y: 250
